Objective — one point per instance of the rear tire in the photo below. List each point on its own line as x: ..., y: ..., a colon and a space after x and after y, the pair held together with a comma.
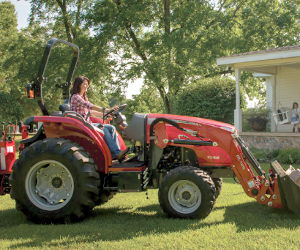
x: 187, y: 192
x: 54, y: 181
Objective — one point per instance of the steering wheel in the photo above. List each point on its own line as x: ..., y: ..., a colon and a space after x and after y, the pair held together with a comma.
x: 114, y: 111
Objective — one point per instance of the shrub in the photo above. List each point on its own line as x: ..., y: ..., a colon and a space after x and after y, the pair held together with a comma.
x: 265, y: 155
x: 212, y: 98
x: 252, y: 115
x: 289, y: 156
x: 285, y: 156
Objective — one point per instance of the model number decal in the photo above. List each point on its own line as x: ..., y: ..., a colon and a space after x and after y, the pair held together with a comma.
x: 213, y: 157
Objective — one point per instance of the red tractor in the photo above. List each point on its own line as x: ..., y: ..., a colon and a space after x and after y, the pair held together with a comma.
x: 8, y: 150
x: 66, y: 169
x: 7, y: 155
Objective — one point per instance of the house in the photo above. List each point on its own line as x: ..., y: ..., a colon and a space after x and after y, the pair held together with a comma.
x: 280, y: 67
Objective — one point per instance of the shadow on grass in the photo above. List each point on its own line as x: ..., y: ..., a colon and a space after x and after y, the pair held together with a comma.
x: 251, y: 215
x: 104, y: 224
x: 10, y: 218
x: 114, y: 224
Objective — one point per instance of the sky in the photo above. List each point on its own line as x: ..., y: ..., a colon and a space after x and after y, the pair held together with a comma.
x: 23, y: 11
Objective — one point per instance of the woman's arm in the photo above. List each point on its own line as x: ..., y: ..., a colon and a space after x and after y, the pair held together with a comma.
x: 96, y: 114
x: 102, y: 110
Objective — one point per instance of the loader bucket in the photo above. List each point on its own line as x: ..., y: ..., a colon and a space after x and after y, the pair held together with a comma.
x: 289, y: 186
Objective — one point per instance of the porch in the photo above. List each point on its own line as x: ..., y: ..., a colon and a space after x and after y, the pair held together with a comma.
x: 280, y: 68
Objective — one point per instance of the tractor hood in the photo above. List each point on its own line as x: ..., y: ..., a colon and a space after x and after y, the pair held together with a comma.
x: 191, y: 119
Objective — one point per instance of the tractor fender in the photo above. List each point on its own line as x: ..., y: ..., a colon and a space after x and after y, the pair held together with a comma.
x: 81, y: 132
x: 40, y: 135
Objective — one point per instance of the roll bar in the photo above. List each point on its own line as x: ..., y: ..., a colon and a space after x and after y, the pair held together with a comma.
x: 36, y: 87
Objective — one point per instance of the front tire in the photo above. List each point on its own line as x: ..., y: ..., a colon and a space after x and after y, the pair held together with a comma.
x: 55, y: 180
x: 187, y: 192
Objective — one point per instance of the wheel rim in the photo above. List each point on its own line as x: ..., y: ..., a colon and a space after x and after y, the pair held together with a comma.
x: 49, y: 185
x: 184, y: 196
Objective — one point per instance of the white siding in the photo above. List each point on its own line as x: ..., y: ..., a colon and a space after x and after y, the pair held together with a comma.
x: 287, y: 90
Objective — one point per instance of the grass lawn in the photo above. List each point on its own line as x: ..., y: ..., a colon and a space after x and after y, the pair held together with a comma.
x: 130, y: 221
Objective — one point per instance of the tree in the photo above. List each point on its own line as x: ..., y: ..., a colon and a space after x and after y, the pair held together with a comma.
x: 148, y: 101
x: 11, y: 111
x: 10, y: 108
x: 67, y: 14
x: 8, y: 33
x: 27, y: 55
x: 24, y: 49
x: 172, y: 43
x: 65, y: 20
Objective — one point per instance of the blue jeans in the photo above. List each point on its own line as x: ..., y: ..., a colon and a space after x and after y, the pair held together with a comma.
x: 110, y: 137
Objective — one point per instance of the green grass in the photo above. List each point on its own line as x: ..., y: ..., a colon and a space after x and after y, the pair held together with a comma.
x: 130, y: 221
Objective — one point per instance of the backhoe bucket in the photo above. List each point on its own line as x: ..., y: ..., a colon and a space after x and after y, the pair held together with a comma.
x: 289, y: 186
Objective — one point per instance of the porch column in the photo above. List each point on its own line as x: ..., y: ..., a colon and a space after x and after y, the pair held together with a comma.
x: 237, y: 111
x: 271, y: 103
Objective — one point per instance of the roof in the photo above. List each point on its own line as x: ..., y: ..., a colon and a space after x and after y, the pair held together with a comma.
x: 269, y: 54
x: 268, y: 50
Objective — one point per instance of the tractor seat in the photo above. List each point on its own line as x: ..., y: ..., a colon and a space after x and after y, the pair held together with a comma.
x: 64, y: 107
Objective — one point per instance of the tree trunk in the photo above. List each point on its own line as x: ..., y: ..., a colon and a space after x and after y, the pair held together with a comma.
x: 169, y: 72
x: 167, y: 17
x: 165, y: 98
x: 139, y: 51
x: 68, y: 26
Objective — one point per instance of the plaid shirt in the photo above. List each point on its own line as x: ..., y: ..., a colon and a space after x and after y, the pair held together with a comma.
x: 81, y: 106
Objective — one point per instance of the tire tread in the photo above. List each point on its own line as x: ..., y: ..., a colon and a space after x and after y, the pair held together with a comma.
x: 203, y: 179
x: 86, y: 195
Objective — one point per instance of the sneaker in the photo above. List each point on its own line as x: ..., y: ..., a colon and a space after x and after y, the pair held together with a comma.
x: 121, y: 156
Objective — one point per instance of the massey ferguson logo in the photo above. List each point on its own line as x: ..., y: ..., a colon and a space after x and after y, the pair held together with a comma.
x: 10, y: 149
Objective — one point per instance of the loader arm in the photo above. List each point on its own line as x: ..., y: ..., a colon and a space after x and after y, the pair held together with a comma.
x: 258, y: 185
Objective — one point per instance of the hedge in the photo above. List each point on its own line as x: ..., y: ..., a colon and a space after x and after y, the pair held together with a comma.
x: 212, y: 98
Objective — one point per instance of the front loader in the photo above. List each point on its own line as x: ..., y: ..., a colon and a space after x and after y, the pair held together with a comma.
x: 66, y: 169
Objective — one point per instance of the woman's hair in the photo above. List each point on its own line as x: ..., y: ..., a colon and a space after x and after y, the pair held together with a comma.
x: 77, y: 83
x: 295, y: 103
